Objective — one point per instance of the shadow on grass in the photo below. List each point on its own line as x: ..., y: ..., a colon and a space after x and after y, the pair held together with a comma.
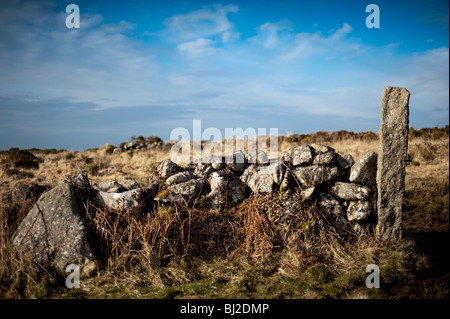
x: 430, y: 282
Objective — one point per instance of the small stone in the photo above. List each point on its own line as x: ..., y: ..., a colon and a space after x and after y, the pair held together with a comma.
x: 169, y: 199
x: 345, y: 161
x: 330, y: 204
x: 262, y: 158
x: 121, y: 201
x: 168, y: 168
x: 286, y: 179
x: 321, y: 149
x: 110, y: 187
x: 307, y: 193
x: 177, y: 178
x: 326, y: 159
x: 236, y: 161
x: 350, y: 191
x: 80, y: 181
x: 218, y: 163
x: 226, y: 189
x: 189, y: 188
x: 315, y: 175
x: 130, y: 184
x: 264, y: 179
x: 359, y: 211
x: 301, y: 155
x: 250, y: 158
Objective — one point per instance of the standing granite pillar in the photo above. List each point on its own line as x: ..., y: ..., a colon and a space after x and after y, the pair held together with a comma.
x: 391, y: 162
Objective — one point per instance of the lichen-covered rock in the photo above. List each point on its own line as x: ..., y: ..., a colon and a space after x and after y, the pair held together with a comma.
x: 261, y: 158
x: 54, y: 233
x: 359, y: 211
x: 332, y: 205
x: 217, y: 162
x: 80, y: 181
x: 321, y: 149
x: 178, y: 178
x: 129, y: 184
x: 326, y: 159
x: 264, y: 179
x: 110, y: 187
x: 189, y: 188
x: 310, y: 176
x: 203, y: 170
x: 226, y: 189
x: 168, y: 168
x: 394, y: 128
x: 125, y: 200
x: 350, y: 191
x: 300, y: 155
x: 236, y: 161
x: 345, y: 161
x: 308, y: 193
x: 364, y: 171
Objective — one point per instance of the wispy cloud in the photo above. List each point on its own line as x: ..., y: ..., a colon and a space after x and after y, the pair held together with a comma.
x: 270, y: 33
x: 316, y: 44
x: 210, y: 20
x: 198, y: 48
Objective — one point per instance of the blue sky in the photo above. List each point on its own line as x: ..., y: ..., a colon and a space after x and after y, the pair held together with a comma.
x: 148, y: 67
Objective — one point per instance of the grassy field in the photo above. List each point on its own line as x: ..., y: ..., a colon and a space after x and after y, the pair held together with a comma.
x: 246, y: 252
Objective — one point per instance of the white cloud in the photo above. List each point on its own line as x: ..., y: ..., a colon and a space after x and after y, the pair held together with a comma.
x: 308, y: 45
x: 229, y: 36
x: 270, y: 33
x: 201, y: 23
x: 339, y: 33
x: 198, y: 48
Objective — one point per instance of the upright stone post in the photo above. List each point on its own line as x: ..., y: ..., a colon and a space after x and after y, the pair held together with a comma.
x: 391, y: 162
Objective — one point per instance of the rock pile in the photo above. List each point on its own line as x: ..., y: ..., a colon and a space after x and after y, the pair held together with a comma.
x: 135, y: 145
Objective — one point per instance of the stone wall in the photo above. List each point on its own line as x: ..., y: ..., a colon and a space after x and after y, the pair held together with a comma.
x: 337, y: 183
x: 341, y: 187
